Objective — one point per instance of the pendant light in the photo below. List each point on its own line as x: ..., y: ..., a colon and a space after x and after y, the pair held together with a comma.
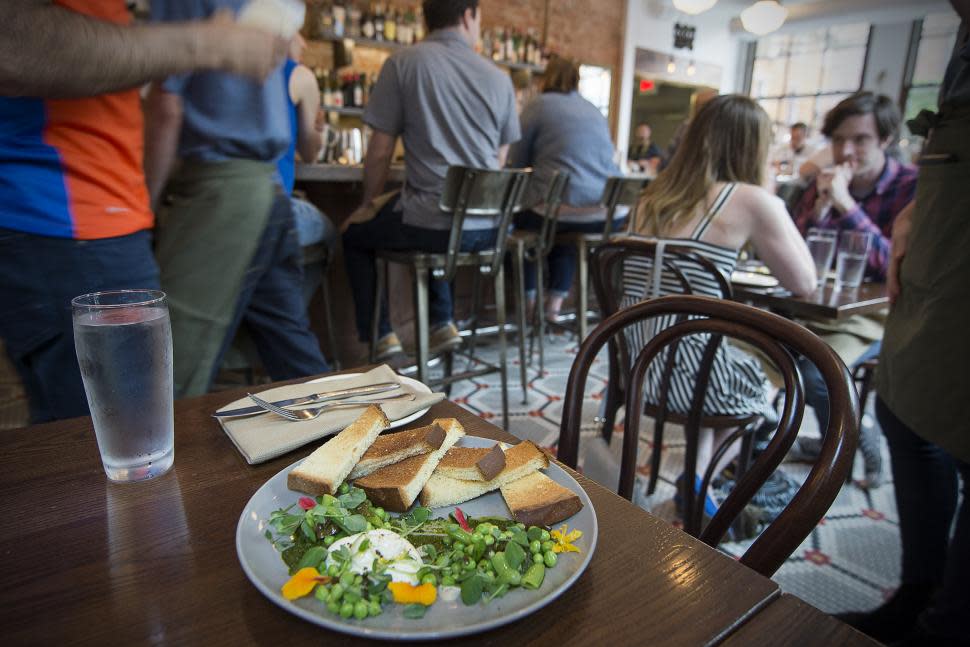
x: 764, y: 17
x: 693, y: 7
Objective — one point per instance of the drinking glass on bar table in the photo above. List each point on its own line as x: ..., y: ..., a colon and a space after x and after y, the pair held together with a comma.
x: 850, y: 264
x: 123, y: 341
x: 821, y: 244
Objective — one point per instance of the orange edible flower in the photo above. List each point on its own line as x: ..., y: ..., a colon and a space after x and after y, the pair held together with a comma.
x: 405, y: 593
x: 302, y: 583
x: 564, y: 540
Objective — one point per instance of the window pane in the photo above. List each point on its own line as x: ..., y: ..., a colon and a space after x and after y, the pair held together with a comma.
x: 804, y: 73
x: 842, y: 70
x: 931, y: 59
x: 849, y: 35
x: 768, y: 77
x: 809, y: 41
x: 924, y: 98
x: 940, y: 24
x: 823, y: 105
x: 771, y: 107
x: 773, y: 46
x: 797, y: 109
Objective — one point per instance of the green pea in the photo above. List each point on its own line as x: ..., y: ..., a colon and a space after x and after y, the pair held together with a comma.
x: 336, y: 592
x: 489, y: 540
x: 358, y: 580
x: 333, y: 607
x: 520, y: 526
x: 550, y: 558
x: 483, y: 563
x: 346, y: 610
x: 374, y: 609
x: 328, y: 540
x: 370, y: 526
x: 447, y: 580
x: 547, y: 546
x: 535, y: 546
x: 380, y: 512
x: 347, y: 580
x: 430, y: 579
x: 323, y: 594
x: 333, y: 570
x: 361, y: 609
x: 455, y: 569
x: 343, y: 489
x: 544, y: 535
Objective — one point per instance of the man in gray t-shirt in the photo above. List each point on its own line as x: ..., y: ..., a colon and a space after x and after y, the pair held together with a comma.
x: 450, y: 106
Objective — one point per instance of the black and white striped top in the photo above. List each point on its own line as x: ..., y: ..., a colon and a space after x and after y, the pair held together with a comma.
x: 737, y: 385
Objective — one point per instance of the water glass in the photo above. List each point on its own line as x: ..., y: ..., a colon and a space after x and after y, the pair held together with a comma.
x: 850, y: 264
x: 821, y: 244
x: 123, y: 341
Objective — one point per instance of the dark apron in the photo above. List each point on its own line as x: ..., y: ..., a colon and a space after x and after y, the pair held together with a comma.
x: 924, y: 369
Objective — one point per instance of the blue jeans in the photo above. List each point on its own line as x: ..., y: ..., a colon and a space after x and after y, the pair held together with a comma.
x: 562, y: 258
x: 816, y: 395
x: 271, y: 304
x: 387, y: 231
x: 39, y: 276
x: 313, y: 227
x: 927, y: 488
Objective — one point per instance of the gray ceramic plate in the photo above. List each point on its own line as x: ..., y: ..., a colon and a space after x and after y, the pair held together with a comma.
x: 266, y: 570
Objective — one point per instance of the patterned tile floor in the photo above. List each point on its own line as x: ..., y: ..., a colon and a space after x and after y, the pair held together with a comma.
x: 849, y: 562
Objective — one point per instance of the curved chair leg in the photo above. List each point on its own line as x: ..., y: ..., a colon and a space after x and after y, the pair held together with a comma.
x: 583, y: 302
x: 380, y: 276
x: 500, y: 316
x: 518, y: 271
x: 421, y: 321
x: 655, y: 456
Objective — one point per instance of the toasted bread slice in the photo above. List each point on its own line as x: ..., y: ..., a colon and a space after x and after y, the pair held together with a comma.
x: 394, y: 448
x: 396, y: 486
x: 537, y: 500
x: 519, y: 461
x: 324, y: 470
x: 472, y: 463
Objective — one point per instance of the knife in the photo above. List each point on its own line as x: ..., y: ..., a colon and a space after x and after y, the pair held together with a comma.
x: 326, y: 396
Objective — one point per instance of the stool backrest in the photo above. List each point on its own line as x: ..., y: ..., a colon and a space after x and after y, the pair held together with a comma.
x: 780, y: 340
x: 620, y: 192
x: 480, y: 192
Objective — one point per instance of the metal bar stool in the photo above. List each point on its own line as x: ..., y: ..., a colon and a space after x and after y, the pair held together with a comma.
x: 535, y: 247
x: 468, y: 191
x: 618, y: 192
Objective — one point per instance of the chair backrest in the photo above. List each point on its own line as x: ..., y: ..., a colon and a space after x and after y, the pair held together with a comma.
x: 620, y: 192
x: 780, y: 340
x: 550, y: 216
x: 479, y: 192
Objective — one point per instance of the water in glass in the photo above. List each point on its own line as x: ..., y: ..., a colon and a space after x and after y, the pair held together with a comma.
x: 125, y: 356
x: 822, y: 249
x: 849, y: 269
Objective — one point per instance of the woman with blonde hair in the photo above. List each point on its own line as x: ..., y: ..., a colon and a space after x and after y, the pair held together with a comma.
x: 710, y: 198
x: 562, y: 131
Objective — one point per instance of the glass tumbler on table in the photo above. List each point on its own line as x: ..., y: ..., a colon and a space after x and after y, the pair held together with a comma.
x: 821, y: 244
x: 850, y: 263
x: 123, y: 341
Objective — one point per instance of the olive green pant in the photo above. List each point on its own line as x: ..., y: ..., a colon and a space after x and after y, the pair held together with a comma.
x: 924, y: 369
x: 205, y: 239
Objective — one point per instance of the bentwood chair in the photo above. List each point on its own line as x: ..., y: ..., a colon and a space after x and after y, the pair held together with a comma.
x: 618, y: 192
x: 781, y: 340
x: 534, y: 247
x: 467, y: 192
x: 678, y: 261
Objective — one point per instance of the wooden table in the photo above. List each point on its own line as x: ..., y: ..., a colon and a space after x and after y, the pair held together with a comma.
x: 824, y: 303
x: 88, y: 561
x: 790, y: 621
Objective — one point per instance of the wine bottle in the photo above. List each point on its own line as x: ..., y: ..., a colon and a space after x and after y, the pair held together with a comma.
x: 379, y: 22
x: 390, y: 25
x: 367, y: 23
x: 419, y: 27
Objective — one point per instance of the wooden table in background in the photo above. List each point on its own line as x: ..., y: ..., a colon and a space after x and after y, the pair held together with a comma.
x: 89, y: 561
x: 789, y: 621
x: 824, y: 303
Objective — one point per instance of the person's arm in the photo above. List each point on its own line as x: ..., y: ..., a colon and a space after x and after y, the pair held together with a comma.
x: 778, y: 243
x: 380, y: 151
x: 306, y: 95
x: 521, y: 152
x: 163, y: 123
x: 49, y: 51
x: 503, y: 155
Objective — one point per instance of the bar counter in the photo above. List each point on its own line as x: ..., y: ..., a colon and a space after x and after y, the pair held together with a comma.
x: 311, y: 173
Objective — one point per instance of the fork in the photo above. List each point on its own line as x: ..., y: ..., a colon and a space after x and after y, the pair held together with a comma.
x: 310, y: 413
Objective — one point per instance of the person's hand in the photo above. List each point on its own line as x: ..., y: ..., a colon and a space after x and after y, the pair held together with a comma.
x: 363, y: 213
x: 897, y: 250
x: 239, y: 49
x: 838, y: 188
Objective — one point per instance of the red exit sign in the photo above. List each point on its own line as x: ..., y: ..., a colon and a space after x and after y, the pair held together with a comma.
x: 646, y: 85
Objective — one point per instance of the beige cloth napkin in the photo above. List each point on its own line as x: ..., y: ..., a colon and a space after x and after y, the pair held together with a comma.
x: 260, y: 438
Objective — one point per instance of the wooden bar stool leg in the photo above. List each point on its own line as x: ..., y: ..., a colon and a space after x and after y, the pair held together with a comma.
x: 500, y: 315
x: 518, y: 275
x: 583, y: 263
x: 331, y: 328
x: 380, y: 276
x: 421, y: 321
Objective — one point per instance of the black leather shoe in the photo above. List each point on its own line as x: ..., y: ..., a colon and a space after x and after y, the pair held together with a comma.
x: 896, y: 618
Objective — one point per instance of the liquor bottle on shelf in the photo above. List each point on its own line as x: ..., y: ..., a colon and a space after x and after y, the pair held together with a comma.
x: 353, y: 20
x: 508, y: 53
x: 487, y: 43
x: 390, y: 25
x: 498, y: 45
x: 367, y: 23
x: 325, y: 21
x: 339, y: 19
x: 379, y: 22
x: 405, y: 28
x: 337, y: 96
x: 358, y: 91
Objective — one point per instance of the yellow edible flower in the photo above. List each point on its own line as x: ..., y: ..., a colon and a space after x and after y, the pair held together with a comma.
x: 564, y: 540
x: 405, y: 593
x: 302, y: 583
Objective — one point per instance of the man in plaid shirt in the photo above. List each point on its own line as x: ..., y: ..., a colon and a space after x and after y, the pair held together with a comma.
x: 865, y: 190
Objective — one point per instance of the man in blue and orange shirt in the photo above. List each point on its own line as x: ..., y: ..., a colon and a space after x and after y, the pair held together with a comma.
x: 74, y: 210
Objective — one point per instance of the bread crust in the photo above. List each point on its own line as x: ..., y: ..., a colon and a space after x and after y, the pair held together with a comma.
x: 395, y: 447
x: 537, y: 500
